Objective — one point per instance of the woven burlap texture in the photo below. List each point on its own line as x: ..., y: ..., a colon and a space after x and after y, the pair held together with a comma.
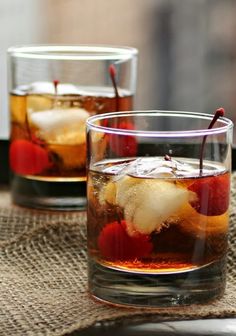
x: 43, y: 276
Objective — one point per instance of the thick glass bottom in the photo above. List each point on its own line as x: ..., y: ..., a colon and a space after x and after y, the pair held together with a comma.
x: 157, y: 290
x: 50, y: 195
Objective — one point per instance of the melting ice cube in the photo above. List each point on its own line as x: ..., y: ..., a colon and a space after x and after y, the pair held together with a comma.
x: 49, y: 88
x: 157, y: 167
x: 147, y: 203
x: 116, y: 169
x: 147, y: 200
x: 61, y: 126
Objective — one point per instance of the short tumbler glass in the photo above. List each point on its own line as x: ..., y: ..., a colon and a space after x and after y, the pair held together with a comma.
x: 53, y: 90
x: 158, y: 207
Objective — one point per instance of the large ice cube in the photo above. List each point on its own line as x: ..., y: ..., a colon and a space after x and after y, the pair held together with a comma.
x: 152, y: 167
x: 61, y: 126
x: 49, y: 88
x: 42, y: 88
x: 158, y: 167
x: 148, y: 203
x: 39, y: 103
x: 146, y: 190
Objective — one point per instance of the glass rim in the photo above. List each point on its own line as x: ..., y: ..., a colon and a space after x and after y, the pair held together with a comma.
x: 73, y: 52
x: 227, y: 124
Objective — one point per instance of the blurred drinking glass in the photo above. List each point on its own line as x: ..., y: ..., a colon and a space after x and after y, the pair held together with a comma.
x: 53, y: 90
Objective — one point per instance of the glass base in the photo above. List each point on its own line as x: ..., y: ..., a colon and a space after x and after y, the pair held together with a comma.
x: 157, y: 290
x: 49, y: 195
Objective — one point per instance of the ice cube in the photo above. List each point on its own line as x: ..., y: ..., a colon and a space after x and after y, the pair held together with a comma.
x: 117, y: 169
x: 148, y: 203
x: 38, y: 103
x: 108, y: 194
x: 142, y: 189
x: 49, y: 88
x: 155, y: 167
x: 128, y: 168
x: 142, y: 167
x: 145, y: 166
x: 61, y: 126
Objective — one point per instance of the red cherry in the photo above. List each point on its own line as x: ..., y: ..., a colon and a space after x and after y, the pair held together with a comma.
x: 213, y: 195
x: 27, y: 158
x: 115, y: 244
x: 124, y: 145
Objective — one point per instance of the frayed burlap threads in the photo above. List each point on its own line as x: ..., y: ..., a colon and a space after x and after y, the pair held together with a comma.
x: 43, y: 276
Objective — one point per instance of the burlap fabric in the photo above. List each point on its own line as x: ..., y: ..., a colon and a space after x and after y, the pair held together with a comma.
x: 43, y: 281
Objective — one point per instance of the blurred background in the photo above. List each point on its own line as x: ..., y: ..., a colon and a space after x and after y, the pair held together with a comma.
x: 187, y: 48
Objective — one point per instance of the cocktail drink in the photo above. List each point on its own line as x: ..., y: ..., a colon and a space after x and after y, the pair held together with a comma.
x: 52, y: 126
x: 158, y: 207
x: 48, y: 118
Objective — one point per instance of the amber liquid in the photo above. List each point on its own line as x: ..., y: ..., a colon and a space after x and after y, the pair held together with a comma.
x: 55, y: 124
x: 185, y: 241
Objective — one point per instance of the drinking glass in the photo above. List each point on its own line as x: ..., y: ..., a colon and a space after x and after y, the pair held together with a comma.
x: 53, y: 90
x: 158, y: 207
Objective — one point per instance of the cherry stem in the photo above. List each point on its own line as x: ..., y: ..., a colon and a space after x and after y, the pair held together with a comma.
x: 220, y: 112
x: 55, y: 83
x: 112, y: 72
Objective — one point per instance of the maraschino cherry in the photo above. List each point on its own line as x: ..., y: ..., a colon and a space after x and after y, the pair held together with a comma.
x: 115, y: 244
x: 212, y: 195
x: 27, y: 158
